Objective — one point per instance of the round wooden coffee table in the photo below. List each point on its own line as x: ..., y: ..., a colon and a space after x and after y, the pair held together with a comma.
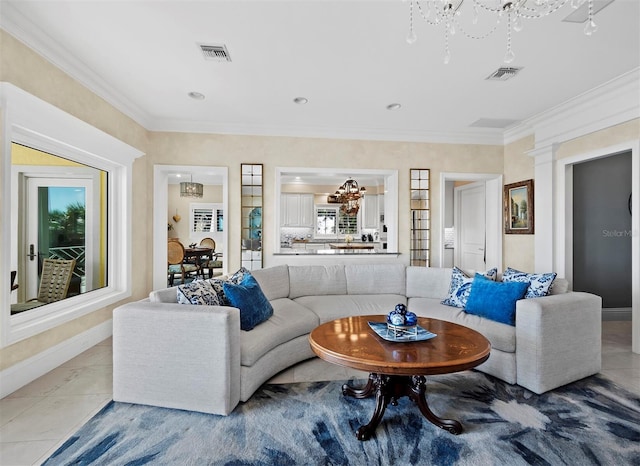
x: 397, y: 369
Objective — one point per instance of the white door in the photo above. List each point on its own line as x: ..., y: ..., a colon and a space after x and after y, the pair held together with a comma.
x: 470, y: 226
x: 57, y: 227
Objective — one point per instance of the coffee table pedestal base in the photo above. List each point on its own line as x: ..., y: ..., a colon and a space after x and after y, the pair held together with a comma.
x: 387, y: 389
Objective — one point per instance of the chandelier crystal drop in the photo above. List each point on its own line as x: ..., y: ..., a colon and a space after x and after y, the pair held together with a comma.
x: 453, y: 14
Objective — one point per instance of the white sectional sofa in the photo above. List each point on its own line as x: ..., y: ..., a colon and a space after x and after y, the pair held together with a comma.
x: 197, y: 358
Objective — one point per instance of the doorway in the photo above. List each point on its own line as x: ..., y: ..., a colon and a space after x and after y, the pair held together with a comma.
x: 206, y: 175
x: 491, y: 240
x: 470, y: 226
x: 602, y: 232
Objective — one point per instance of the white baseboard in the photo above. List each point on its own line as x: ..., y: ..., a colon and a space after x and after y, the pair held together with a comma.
x: 616, y: 313
x: 19, y: 375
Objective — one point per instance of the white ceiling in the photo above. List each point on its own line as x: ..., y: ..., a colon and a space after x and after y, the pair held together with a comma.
x: 348, y: 58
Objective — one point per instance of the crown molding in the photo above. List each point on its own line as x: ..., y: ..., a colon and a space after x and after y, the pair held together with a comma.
x: 609, y: 104
x: 487, y: 137
x: 20, y: 27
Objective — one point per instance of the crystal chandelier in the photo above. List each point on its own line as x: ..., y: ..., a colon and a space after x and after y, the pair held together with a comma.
x: 349, y: 195
x: 513, y: 12
x: 191, y: 189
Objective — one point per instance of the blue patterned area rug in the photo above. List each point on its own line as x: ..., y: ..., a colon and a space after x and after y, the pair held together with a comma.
x: 588, y: 422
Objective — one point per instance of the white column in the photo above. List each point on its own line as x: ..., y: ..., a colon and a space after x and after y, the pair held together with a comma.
x: 544, y: 209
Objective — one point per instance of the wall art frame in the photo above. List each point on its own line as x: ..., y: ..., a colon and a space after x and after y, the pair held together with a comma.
x: 519, y: 209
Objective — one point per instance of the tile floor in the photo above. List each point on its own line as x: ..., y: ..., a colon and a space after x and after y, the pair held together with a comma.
x: 38, y: 418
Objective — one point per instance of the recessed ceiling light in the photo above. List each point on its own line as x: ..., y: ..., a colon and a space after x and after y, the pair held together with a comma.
x: 196, y: 95
x: 301, y: 100
x: 393, y: 106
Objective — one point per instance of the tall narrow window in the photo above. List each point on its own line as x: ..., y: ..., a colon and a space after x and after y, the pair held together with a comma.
x: 251, y: 191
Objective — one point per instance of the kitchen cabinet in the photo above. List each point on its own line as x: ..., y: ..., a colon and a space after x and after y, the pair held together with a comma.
x: 296, y: 210
x: 371, y: 211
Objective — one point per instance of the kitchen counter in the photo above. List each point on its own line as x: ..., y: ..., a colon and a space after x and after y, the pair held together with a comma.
x: 351, y: 245
x: 334, y: 252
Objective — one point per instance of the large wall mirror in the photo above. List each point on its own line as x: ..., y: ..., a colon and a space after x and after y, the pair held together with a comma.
x: 59, y: 228
x: 251, y: 215
x: 311, y: 214
x: 420, y: 217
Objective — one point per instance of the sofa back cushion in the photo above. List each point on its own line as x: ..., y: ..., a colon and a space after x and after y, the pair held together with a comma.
x: 428, y: 282
x: 274, y: 281
x: 560, y: 286
x: 164, y: 295
x: 376, y: 278
x: 316, y: 280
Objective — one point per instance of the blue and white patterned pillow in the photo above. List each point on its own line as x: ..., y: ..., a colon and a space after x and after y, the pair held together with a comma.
x: 461, y: 286
x: 198, y: 292
x: 539, y: 283
x: 218, y: 284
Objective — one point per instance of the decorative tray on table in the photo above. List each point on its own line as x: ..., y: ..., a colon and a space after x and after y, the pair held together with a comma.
x: 384, y: 332
x: 401, y: 325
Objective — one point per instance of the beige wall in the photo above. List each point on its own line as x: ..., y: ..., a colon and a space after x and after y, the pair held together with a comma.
x: 230, y: 151
x: 518, y: 250
x: 623, y: 132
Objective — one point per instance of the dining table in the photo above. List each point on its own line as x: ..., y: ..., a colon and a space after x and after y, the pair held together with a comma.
x: 196, y: 255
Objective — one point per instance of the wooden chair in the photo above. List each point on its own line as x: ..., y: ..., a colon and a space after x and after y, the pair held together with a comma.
x: 55, y: 280
x: 176, y: 264
x: 14, y: 286
x: 213, y: 262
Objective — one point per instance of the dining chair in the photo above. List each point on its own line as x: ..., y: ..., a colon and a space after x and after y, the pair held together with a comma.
x: 212, y: 263
x: 14, y: 286
x: 176, y: 264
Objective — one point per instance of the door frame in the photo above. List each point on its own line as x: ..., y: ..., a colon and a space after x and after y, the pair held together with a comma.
x: 493, y: 214
x: 161, y: 209
x: 564, y: 221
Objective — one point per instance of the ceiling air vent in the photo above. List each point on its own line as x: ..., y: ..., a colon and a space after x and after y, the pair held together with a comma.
x: 502, y: 74
x: 215, y: 52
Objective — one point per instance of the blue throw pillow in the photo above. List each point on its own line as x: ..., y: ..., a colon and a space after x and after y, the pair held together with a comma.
x: 461, y: 286
x: 247, y: 296
x: 539, y: 283
x: 495, y: 300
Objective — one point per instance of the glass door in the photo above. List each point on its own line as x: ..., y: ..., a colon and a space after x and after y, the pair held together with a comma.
x: 57, y: 228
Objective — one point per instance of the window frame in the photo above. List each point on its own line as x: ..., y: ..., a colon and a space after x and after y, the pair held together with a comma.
x: 32, y: 122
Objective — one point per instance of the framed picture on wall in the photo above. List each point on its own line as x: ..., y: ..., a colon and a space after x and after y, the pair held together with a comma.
x: 518, y: 208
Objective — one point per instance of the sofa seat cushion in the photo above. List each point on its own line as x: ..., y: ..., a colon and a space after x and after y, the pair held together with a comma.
x: 289, y: 320
x: 332, y: 307
x: 501, y: 336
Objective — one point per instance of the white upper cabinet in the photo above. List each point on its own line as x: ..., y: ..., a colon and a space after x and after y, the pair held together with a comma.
x: 296, y: 210
x: 371, y: 211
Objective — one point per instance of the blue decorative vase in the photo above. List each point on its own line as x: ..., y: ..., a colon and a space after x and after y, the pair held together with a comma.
x: 400, y: 317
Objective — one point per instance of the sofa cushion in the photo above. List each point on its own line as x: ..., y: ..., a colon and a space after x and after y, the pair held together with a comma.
x: 376, y: 279
x: 247, y: 296
x: 289, y: 320
x: 560, y: 286
x: 197, y: 292
x: 428, y: 282
x: 461, y: 286
x: 332, y: 307
x: 164, y: 295
x: 495, y: 300
x: 313, y: 280
x: 539, y: 284
x: 274, y: 281
x: 501, y: 336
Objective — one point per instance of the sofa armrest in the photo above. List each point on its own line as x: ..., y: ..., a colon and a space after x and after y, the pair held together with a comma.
x: 558, y: 339
x: 177, y: 356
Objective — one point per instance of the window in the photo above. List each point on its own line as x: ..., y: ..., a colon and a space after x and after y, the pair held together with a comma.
x: 34, y: 123
x: 327, y: 217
